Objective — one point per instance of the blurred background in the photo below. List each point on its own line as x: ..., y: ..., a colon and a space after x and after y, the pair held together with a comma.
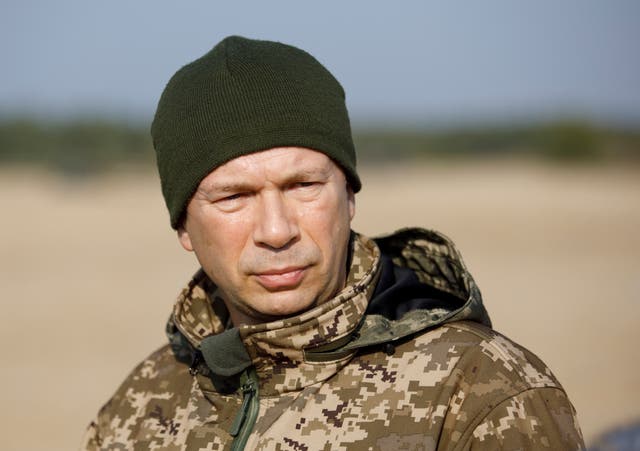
x: 512, y: 127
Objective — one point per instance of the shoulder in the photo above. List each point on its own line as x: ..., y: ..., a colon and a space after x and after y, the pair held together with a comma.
x: 156, y: 374
x: 466, y: 360
x: 502, y: 395
x: 481, y: 347
x: 483, y: 367
x: 158, y: 380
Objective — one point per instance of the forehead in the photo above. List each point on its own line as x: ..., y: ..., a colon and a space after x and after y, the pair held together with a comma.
x: 280, y: 162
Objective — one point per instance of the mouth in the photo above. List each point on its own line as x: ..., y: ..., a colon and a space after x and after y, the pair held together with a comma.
x: 281, y: 279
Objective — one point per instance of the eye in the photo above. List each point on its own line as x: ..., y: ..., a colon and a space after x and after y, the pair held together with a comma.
x: 231, y: 202
x: 306, y: 189
x: 232, y: 197
x: 304, y: 184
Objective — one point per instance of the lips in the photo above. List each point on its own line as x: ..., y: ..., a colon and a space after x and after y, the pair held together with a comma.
x: 281, y: 279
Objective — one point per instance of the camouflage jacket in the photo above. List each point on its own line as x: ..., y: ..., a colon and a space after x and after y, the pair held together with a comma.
x: 402, y: 358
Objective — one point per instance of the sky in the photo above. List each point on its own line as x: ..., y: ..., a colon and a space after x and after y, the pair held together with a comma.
x: 406, y: 62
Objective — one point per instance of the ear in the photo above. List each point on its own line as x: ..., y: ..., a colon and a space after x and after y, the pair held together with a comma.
x: 185, y: 239
x: 351, y: 199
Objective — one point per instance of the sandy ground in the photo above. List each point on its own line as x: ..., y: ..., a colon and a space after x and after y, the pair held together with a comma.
x: 89, y: 271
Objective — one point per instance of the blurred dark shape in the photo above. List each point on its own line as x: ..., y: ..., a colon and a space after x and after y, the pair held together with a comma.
x: 626, y: 438
x: 571, y: 141
x: 79, y: 148
x: 557, y: 142
x: 76, y: 148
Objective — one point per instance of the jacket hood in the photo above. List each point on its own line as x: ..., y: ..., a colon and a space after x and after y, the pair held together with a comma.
x: 423, y: 283
x: 398, y: 286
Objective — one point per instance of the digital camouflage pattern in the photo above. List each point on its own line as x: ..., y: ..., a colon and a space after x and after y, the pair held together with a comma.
x: 337, y: 377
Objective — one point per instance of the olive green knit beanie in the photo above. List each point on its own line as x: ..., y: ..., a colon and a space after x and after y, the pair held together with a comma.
x: 241, y: 97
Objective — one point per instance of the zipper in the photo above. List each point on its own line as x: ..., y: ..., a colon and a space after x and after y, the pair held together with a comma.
x: 248, y: 413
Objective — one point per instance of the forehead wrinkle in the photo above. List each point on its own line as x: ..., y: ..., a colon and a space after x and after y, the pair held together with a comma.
x: 292, y: 174
x: 244, y: 174
x: 278, y: 167
x: 225, y: 179
x: 228, y: 181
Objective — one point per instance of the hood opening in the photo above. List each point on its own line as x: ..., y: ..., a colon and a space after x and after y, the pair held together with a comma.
x: 399, y: 291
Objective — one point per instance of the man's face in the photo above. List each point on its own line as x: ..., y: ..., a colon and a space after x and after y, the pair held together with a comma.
x: 271, y: 230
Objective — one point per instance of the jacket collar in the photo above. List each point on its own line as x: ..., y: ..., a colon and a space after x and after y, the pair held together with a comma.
x: 278, y: 349
x: 292, y: 353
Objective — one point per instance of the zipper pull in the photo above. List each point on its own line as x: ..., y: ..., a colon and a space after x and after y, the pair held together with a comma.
x: 248, y: 391
x: 195, y: 362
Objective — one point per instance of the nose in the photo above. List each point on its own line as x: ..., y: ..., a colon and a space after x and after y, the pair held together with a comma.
x: 276, y: 223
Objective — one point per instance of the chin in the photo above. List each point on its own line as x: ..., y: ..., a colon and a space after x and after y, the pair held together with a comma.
x: 290, y: 306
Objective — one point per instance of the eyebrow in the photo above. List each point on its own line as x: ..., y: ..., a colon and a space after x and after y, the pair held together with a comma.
x: 225, y: 187
x: 306, y: 174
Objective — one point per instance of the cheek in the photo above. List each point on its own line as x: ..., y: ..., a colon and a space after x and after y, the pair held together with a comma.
x: 329, y: 224
x: 220, y: 242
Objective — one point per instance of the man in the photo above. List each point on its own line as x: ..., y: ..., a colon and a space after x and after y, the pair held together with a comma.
x: 298, y: 333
